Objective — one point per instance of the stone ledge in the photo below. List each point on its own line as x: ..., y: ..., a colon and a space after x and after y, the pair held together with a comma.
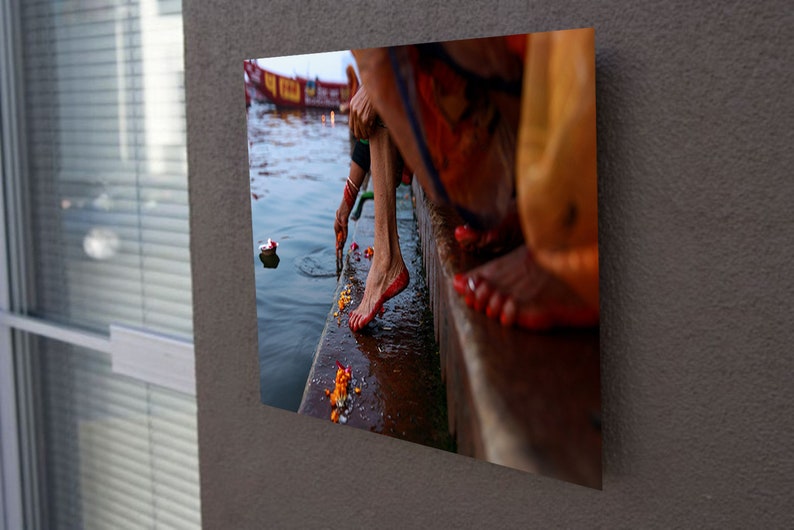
x: 526, y: 400
x: 394, y: 360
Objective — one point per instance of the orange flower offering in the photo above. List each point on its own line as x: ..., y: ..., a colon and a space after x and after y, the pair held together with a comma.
x: 344, y: 298
x: 369, y: 252
x: 339, y: 396
x: 342, y: 303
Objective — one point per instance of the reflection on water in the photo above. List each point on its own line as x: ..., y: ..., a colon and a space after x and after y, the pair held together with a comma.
x: 298, y: 166
x: 269, y: 261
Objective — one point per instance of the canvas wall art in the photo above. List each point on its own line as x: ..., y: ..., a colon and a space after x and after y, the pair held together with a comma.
x: 425, y: 240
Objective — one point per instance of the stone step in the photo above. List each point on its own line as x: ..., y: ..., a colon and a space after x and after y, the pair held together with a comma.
x: 394, y: 360
x: 526, y: 400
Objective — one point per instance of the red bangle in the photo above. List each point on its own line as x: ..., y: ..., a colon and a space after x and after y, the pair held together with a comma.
x: 350, y: 197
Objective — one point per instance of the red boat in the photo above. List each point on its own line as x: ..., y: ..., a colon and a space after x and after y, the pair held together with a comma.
x: 297, y: 92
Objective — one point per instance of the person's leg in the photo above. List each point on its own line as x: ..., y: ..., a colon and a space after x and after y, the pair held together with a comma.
x: 553, y: 281
x: 556, y: 282
x: 556, y: 171
x: 453, y: 135
x: 388, y: 274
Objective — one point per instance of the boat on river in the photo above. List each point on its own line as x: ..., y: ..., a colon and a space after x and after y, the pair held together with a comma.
x: 296, y: 92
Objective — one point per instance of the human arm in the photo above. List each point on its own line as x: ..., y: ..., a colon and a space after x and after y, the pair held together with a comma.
x: 362, y: 114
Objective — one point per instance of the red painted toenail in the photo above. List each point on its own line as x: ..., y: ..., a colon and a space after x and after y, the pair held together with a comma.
x: 470, y: 299
x: 459, y: 282
x: 461, y: 232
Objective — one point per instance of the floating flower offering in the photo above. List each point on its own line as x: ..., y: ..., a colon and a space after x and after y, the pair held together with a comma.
x: 369, y: 252
x: 269, y: 247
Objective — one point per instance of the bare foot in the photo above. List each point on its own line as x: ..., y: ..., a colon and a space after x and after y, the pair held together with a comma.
x: 506, y: 236
x: 514, y: 290
x: 384, y: 281
x: 388, y: 274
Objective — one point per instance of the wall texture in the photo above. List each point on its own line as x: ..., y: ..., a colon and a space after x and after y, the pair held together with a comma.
x: 696, y: 150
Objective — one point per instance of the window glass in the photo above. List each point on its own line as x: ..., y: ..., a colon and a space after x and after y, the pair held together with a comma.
x: 106, y: 241
x: 104, y: 107
x: 118, y: 453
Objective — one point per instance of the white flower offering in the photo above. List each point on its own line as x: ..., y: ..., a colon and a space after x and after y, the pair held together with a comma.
x: 269, y: 247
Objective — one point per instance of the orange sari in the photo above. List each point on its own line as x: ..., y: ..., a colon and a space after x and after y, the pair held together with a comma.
x: 556, y: 183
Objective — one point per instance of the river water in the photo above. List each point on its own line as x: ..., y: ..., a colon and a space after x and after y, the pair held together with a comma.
x: 298, y: 166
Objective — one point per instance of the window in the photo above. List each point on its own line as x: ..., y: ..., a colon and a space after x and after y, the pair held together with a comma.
x: 96, y: 225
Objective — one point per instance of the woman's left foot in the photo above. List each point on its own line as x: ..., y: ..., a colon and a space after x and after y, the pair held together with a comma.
x: 515, y: 290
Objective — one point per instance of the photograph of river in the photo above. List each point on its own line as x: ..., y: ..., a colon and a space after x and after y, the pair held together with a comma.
x: 425, y: 240
x: 298, y: 165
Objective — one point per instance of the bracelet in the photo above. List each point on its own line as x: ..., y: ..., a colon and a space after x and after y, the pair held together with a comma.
x: 351, y: 183
x: 350, y: 197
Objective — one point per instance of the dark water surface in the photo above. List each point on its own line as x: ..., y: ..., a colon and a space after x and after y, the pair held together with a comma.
x: 298, y: 166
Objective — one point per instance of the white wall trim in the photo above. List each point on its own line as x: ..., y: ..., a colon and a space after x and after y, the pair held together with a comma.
x: 50, y: 330
x: 146, y: 356
x: 156, y: 359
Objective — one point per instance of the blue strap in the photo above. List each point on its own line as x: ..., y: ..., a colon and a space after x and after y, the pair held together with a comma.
x: 402, y: 87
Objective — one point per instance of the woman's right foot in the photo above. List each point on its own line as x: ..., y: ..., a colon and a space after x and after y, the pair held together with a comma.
x: 381, y: 286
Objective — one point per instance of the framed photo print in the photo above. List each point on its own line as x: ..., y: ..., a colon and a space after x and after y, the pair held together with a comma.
x: 425, y: 240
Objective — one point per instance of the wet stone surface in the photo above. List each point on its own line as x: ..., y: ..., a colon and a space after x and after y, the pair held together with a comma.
x: 527, y: 400
x: 394, y: 360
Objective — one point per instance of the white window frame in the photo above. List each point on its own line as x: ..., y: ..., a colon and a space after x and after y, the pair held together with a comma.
x: 150, y: 357
x: 11, y: 485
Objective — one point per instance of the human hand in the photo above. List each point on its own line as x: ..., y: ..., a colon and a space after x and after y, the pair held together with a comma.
x: 340, y: 228
x: 362, y: 114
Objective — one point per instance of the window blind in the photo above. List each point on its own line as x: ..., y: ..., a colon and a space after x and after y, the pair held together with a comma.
x: 121, y: 453
x: 105, y: 118
x: 107, y: 243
